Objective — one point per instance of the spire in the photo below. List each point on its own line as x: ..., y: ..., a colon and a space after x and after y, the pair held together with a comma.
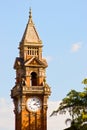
x: 30, y: 13
x: 30, y: 34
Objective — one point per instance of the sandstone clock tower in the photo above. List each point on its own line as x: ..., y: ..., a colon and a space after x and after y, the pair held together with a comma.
x: 31, y: 92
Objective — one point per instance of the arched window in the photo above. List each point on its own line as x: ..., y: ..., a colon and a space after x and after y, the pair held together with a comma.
x: 33, y: 79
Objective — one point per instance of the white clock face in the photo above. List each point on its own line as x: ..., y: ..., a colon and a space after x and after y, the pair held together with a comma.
x: 34, y: 104
x: 19, y: 106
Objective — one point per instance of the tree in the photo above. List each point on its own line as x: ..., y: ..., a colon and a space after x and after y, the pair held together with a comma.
x: 76, y: 104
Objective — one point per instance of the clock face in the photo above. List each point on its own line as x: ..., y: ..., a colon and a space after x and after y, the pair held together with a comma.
x: 19, y: 106
x: 34, y: 104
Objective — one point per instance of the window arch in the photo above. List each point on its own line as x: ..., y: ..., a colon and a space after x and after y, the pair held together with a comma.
x: 33, y: 79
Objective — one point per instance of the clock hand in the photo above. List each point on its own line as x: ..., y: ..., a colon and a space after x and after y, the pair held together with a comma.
x: 36, y: 103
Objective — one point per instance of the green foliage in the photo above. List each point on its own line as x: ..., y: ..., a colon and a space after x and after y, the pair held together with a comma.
x: 76, y: 104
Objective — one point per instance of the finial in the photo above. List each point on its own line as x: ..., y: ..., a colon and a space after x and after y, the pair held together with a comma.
x: 30, y: 13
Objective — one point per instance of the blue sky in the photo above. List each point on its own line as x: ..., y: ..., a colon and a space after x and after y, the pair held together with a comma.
x: 62, y: 26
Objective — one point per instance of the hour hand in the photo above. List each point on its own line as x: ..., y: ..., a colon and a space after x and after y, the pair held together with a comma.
x: 36, y: 103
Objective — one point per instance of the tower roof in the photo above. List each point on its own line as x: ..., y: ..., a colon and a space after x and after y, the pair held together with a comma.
x: 30, y: 35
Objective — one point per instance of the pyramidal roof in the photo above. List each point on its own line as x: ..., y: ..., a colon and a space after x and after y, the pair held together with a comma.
x: 30, y: 35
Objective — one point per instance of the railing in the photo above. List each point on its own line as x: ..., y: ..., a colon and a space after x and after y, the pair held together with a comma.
x: 33, y: 89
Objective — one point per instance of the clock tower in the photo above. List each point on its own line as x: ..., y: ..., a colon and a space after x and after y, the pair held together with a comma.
x: 31, y: 92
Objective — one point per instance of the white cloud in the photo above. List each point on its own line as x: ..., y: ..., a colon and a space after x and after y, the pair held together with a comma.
x: 76, y: 46
x: 6, y: 115
x: 56, y: 122
x: 7, y: 121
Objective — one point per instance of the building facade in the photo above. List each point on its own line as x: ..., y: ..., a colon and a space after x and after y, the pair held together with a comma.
x: 31, y: 92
